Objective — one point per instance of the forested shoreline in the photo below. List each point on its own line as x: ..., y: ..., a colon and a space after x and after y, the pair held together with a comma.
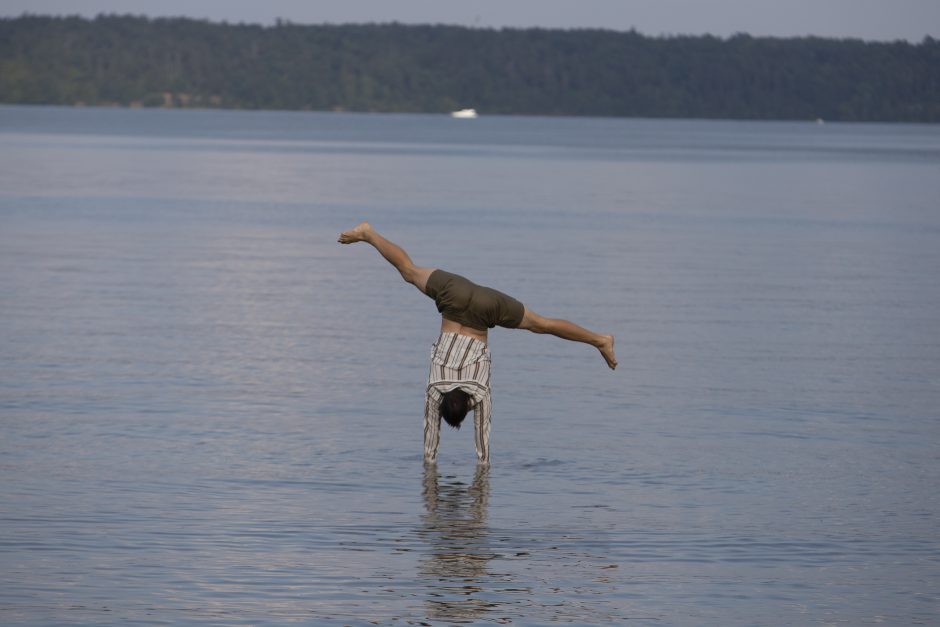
x: 137, y: 61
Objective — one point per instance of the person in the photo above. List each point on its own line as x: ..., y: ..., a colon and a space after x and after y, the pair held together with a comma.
x: 459, y: 377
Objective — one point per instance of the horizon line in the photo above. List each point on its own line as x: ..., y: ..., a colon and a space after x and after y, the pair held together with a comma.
x: 279, y: 22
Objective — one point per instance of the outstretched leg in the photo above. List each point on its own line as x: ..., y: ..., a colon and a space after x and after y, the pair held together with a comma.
x: 568, y: 330
x: 393, y: 253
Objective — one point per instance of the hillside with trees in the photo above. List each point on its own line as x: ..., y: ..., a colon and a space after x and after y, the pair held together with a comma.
x: 136, y: 61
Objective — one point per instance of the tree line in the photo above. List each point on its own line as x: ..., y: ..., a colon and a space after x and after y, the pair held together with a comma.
x: 137, y: 61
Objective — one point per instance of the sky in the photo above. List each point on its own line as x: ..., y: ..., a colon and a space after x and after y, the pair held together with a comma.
x: 876, y: 20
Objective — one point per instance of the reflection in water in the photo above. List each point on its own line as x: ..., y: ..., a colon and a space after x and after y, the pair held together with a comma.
x: 454, y: 527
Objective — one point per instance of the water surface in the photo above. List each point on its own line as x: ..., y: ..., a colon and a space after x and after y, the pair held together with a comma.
x: 211, y: 412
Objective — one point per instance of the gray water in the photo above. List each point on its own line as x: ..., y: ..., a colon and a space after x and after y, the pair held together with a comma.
x: 211, y: 411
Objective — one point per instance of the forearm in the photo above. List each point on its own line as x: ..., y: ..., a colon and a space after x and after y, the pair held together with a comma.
x: 432, y: 431
x: 481, y: 429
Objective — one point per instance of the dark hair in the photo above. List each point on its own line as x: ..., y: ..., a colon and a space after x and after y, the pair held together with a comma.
x: 454, y: 407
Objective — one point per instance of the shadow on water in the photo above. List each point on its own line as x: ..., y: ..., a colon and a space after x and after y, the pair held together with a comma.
x: 459, y: 548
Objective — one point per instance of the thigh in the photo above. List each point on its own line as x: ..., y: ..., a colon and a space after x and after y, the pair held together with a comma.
x: 531, y: 321
x: 419, y: 277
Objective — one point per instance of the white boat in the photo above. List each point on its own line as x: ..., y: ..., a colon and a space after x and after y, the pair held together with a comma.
x: 465, y: 114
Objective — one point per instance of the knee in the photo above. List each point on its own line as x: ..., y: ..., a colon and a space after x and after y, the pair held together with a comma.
x: 408, y: 273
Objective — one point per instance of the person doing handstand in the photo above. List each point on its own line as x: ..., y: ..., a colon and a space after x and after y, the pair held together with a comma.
x: 459, y: 378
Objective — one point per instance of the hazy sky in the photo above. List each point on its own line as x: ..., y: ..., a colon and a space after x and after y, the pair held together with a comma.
x: 866, y: 19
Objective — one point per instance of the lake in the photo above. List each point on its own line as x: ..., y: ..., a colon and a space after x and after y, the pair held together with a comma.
x: 211, y: 412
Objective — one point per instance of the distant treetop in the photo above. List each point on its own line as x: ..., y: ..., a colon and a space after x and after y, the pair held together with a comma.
x: 177, y: 62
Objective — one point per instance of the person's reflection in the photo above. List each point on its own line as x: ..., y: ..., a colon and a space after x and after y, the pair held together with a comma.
x: 455, y: 528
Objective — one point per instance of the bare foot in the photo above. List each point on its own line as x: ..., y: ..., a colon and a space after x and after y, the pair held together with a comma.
x: 358, y: 233
x: 606, y: 348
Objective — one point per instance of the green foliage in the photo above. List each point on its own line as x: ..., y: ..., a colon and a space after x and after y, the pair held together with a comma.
x: 135, y: 61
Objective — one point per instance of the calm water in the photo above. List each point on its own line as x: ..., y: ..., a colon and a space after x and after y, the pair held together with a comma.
x: 211, y: 412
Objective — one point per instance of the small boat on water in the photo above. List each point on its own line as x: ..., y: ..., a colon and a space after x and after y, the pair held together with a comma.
x: 466, y: 114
